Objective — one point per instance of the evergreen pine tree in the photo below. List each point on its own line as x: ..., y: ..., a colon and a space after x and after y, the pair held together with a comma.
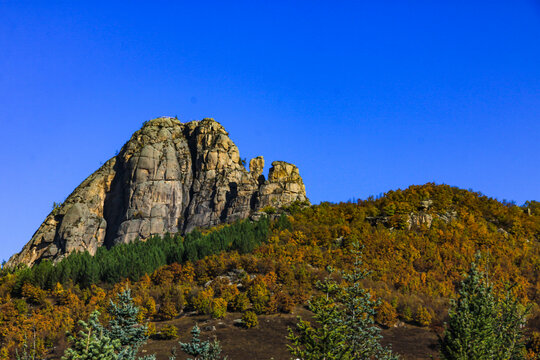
x: 326, y: 340
x: 481, y: 327
x: 362, y: 336
x: 120, y: 341
x: 124, y: 326
x: 92, y: 343
x: 510, y: 328
x: 201, y: 350
x: 345, y: 322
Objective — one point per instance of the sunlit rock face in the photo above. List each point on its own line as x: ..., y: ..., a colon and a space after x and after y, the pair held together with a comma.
x: 169, y: 177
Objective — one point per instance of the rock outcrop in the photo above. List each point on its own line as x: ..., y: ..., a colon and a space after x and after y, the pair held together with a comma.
x: 169, y: 177
x: 423, y: 216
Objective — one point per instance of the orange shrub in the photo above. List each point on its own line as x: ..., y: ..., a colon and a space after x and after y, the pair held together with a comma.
x: 167, y: 311
x: 33, y: 294
x: 386, y: 314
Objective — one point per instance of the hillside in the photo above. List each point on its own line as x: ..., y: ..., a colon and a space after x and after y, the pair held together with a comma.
x: 417, y: 243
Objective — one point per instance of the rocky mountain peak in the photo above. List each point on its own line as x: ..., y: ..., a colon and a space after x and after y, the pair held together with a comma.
x: 169, y: 177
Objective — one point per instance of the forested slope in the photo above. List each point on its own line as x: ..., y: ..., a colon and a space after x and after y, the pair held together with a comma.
x: 417, y: 243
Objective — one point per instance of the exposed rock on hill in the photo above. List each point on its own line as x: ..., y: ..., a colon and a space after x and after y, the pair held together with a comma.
x: 424, y: 215
x: 169, y: 177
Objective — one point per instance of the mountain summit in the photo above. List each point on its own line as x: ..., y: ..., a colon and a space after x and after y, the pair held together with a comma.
x: 169, y: 177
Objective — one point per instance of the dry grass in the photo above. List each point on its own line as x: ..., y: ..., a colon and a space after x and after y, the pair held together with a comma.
x: 268, y: 341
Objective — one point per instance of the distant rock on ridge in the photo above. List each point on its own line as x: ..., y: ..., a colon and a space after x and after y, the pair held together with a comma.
x: 169, y: 177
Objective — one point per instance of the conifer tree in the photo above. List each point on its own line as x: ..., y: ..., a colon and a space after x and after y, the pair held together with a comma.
x: 120, y: 341
x: 325, y: 341
x: 345, y: 327
x: 201, y: 350
x: 480, y: 326
x: 92, y: 343
x: 510, y: 328
x: 362, y: 336
x: 124, y: 326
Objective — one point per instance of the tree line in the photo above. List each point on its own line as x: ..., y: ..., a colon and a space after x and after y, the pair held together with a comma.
x: 133, y: 260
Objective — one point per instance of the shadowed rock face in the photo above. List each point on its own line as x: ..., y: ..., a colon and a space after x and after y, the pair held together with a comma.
x: 169, y: 177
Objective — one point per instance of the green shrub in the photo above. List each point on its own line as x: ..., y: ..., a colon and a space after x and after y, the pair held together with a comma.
x: 250, y: 319
x: 407, y: 314
x: 219, y: 308
x: 423, y: 316
x: 168, y: 332
x: 240, y: 302
x: 202, y: 302
x: 269, y: 209
x: 151, y: 330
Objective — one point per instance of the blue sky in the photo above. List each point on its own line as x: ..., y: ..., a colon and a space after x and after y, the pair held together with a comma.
x: 364, y: 97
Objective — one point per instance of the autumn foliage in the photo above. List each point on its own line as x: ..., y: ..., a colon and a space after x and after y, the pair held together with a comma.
x: 417, y: 243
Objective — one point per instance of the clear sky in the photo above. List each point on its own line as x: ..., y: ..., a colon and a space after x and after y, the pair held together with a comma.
x: 364, y: 96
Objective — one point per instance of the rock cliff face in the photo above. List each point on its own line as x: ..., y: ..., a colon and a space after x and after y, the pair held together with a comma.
x: 169, y: 177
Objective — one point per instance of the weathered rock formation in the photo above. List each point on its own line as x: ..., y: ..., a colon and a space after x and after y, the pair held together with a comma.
x: 169, y: 177
x: 424, y: 215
